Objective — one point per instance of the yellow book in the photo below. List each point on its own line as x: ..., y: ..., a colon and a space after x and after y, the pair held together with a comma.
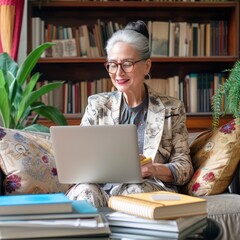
x: 158, y: 205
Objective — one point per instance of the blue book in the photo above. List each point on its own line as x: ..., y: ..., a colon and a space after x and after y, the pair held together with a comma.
x: 83, y: 206
x: 35, y: 204
x: 80, y: 209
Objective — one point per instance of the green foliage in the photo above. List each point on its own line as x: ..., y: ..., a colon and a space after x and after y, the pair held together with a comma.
x: 230, y: 92
x: 18, y: 96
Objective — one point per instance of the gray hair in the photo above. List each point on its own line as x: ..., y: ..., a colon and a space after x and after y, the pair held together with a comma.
x: 137, y: 40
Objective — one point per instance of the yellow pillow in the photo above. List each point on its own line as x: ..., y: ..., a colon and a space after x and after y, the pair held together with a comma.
x: 27, y: 160
x: 215, y: 156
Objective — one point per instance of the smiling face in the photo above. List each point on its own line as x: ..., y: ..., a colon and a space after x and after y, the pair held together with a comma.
x: 131, y: 84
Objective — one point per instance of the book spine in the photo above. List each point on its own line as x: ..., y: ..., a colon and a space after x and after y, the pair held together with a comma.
x: 137, y: 207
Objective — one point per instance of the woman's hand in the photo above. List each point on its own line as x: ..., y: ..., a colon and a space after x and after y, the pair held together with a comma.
x: 157, y: 170
x: 141, y: 157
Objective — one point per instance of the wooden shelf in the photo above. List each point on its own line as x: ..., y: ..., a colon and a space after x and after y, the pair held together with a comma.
x: 129, y: 4
x: 170, y: 60
x: 77, y: 69
x: 195, y: 123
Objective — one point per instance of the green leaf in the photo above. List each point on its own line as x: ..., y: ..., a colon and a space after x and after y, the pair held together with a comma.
x: 51, y: 113
x: 4, y: 107
x: 27, y: 66
x: 34, y: 96
x: 37, y: 128
x: 7, y: 64
x: 14, y: 89
x: 31, y: 84
x: 229, y: 92
x: 21, y: 123
x: 2, y: 79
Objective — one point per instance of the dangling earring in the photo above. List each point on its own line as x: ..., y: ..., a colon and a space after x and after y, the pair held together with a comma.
x: 147, y: 77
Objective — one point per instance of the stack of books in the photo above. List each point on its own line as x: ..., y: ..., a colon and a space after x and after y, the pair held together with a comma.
x: 156, y: 215
x: 49, y: 215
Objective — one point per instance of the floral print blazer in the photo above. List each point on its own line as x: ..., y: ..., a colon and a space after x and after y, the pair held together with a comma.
x: 165, y: 137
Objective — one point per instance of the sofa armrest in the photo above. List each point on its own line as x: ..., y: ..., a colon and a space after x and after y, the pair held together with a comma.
x: 234, y: 187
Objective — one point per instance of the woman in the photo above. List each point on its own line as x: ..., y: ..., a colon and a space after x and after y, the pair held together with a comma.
x: 160, y: 120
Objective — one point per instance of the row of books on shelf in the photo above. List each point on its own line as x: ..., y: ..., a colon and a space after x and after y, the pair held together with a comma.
x: 167, y: 38
x: 186, y: 39
x: 71, y: 97
x: 195, y: 90
x: 81, y: 41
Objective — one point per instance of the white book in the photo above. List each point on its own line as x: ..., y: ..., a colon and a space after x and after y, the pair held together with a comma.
x: 55, y: 228
x: 34, y: 19
x: 69, y: 47
x: 159, y: 85
x: 132, y: 227
x: 85, y: 33
x: 38, y: 31
x: 171, y: 38
x: 149, y: 24
x: 193, y: 92
x: 160, y: 32
x: 176, y: 86
x: 42, y: 34
x: 173, y: 225
x: 171, y: 85
x: 82, y: 42
x: 183, y: 39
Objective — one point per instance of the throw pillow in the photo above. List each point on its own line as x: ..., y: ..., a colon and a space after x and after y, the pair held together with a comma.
x: 27, y: 160
x: 215, y: 156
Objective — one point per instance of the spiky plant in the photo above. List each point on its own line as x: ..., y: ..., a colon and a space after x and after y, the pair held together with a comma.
x: 230, y: 92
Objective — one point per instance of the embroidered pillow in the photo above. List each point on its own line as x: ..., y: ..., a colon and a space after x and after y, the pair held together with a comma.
x: 215, y: 156
x: 27, y: 160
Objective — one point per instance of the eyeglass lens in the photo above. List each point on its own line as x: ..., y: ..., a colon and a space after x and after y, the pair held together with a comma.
x: 127, y: 66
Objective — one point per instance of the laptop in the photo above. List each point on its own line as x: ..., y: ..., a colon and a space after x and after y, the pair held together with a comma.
x: 96, y: 154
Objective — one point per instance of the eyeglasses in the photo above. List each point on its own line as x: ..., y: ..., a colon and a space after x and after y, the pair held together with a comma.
x: 126, y: 66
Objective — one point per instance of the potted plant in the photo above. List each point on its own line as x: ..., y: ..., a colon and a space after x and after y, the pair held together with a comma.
x: 229, y: 92
x: 18, y: 96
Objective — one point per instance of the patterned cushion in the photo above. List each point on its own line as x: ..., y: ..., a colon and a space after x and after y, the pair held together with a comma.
x: 215, y: 156
x: 27, y: 160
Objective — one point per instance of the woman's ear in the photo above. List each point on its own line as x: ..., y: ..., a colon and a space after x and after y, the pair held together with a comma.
x: 148, y: 65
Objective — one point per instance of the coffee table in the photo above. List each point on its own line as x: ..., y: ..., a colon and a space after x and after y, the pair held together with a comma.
x: 213, y: 231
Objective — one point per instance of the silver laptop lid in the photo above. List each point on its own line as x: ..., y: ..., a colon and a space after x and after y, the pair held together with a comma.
x: 96, y: 154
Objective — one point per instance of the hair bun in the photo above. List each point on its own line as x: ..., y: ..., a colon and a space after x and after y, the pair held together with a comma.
x: 139, y: 27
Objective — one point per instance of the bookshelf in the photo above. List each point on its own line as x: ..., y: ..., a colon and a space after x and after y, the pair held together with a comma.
x: 78, y: 69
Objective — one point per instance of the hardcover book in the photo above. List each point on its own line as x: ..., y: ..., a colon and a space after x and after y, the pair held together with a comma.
x: 119, y: 219
x: 80, y: 209
x: 74, y: 227
x: 158, y: 205
x: 140, y: 233
x: 35, y: 203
